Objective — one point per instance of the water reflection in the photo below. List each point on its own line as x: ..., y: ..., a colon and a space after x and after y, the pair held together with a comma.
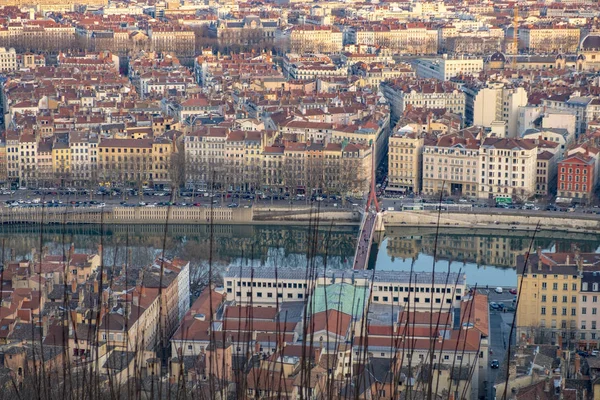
x: 487, y: 257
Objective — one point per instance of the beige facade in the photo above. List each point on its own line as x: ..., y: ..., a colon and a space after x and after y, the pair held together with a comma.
x: 405, y: 162
x: 551, y: 39
x: 8, y: 59
x: 451, y: 166
x: 315, y: 38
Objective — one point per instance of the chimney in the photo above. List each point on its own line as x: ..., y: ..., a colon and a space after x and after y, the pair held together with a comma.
x: 539, y: 254
x: 568, y: 259
x: 317, y: 354
x: 577, y: 364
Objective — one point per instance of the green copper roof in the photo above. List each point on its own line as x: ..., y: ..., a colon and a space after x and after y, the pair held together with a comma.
x: 342, y: 297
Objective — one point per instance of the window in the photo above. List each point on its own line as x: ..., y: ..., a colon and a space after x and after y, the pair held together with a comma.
x: 564, y: 299
x: 543, y: 298
x: 553, y: 310
x: 555, y: 286
x: 583, y: 310
x: 544, y: 286
x: 564, y: 311
x: 565, y: 286
x: 554, y: 299
x: 543, y: 310
x: 573, y: 312
x: 594, y: 310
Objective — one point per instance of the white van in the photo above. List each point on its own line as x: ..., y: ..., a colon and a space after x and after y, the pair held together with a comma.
x: 498, y: 290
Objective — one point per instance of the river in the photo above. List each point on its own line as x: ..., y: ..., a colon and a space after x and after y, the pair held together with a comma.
x: 486, y: 257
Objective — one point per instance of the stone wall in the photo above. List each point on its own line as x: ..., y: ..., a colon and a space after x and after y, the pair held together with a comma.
x: 547, y: 220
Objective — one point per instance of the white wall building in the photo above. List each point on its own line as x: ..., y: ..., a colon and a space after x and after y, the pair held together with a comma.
x: 495, y: 102
x: 8, y: 59
x: 445, y: 68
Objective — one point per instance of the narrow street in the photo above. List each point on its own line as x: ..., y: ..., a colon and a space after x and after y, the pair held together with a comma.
x: 499, y: 342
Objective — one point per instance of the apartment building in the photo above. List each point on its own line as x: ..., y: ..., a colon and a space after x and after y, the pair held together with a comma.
x: 405, y: 38
x: 444, y: 68
x: 577, y: 177
x: 314, y: 39
x: 588, y: 320
x: 549, y: 39
x: 508, y: 168
x: 423, y: 93
x: 405, y: 156
x: 172, y: 38
x: 135, y: 161
x: 8, y: 59
x: 549, y: 294
x: 451, y: 166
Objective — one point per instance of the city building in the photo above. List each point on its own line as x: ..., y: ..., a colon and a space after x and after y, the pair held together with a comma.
x: 493, y: 102
x: 508, y: 168
x: 451, y: 166
x: 548, y: 304
x: 549, y: 39
x: 423, y: 93
x: 445, y: 68
x: 8, y: 59
x: 577, y: 177
x: 405, y: 161
x: 261, y: 286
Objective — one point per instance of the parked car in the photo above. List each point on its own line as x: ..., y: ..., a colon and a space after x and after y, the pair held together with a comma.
x: 512, y: 291
x: 494, y: 306
x: 498, y: 290
x: 495, y: 364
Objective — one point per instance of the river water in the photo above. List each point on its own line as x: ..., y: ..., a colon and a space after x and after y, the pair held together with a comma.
x: 486, y: 257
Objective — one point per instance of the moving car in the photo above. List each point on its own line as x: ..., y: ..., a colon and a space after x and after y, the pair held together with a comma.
x: 495, y: 364
x: 512, y: 291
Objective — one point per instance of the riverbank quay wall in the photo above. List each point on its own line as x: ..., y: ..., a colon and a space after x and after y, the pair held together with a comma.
x: 495, y: 220
x: 126, y: 215
x: 173, y: 215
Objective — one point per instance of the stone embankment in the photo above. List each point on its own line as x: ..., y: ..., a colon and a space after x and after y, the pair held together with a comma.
x: 575, y: 222
x: 174, y: 215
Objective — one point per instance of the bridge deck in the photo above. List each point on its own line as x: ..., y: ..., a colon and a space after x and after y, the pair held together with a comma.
x: 365, y: 240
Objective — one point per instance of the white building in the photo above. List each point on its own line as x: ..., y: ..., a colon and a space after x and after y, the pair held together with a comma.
x: 423, y: 93
x: 563, y: 120
x: 495, y: 102
x: 527, y: 119
x: 508, y: 168
x: 445, y: 68
x: 8, y: 59
x: 265, y: 286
